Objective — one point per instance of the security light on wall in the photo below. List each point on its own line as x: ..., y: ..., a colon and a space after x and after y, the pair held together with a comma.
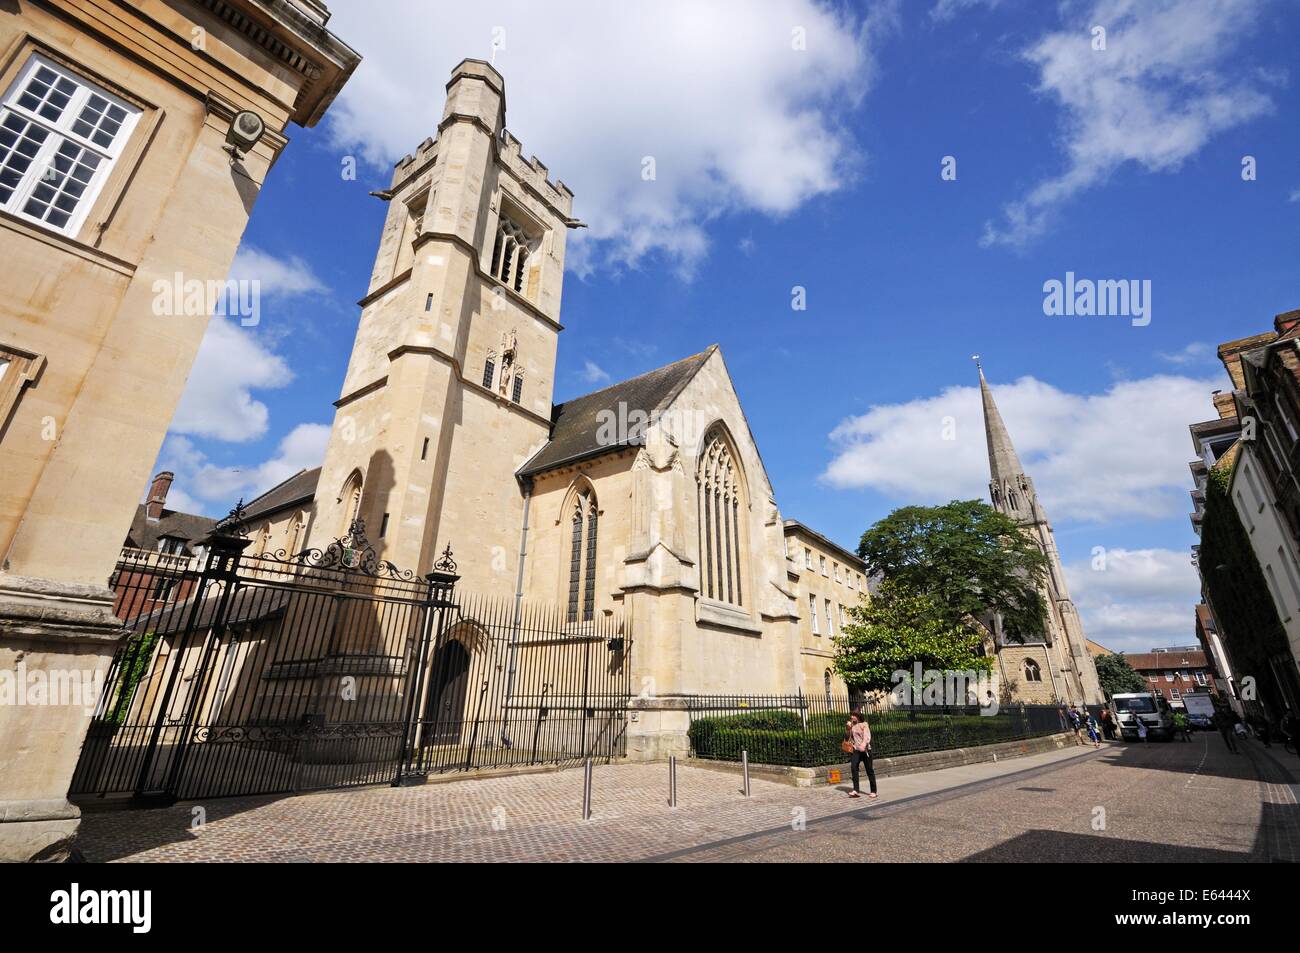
x: 246, y: 130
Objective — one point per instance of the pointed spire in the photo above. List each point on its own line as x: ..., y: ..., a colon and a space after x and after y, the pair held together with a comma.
x: 1003, y: 462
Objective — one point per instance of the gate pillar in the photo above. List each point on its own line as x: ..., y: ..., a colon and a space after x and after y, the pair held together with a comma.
x: 658, y: 728
x: 63, y: 635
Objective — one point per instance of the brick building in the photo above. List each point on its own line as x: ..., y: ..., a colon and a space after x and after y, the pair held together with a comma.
x: 1175, y: 672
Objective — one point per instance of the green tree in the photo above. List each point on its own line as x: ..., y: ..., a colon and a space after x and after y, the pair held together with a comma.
x: 898, y: 628
x: 1117, y: 675
x: 967, y: 557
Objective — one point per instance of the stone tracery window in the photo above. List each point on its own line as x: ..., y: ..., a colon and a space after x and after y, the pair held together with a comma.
x: 721, y: 495
x: 512, y: 252
x: 583, y: 520
x: 1032, y: 672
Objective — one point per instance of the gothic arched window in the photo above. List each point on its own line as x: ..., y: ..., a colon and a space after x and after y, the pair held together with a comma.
x: 350, y: 500
x: 1032, y: 672
x: 583, y: 524
x: 489, y: 368
x: 721, y: 503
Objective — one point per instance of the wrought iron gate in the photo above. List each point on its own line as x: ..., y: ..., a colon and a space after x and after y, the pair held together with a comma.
x: 277, y: 673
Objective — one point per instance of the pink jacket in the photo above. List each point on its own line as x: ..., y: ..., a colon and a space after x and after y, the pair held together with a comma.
x: 860, y: 736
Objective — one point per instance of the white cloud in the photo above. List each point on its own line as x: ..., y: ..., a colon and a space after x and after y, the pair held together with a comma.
x: 218, y: 400
x: 944, y: 10
x: 1166, y: 83
x: 1198, y: 352
x: 593, y: 373
x: 203, y: 487
x: 734, y: 117
x: 285, y: 277
x: 1098, y: 458
x: 1141, y: 599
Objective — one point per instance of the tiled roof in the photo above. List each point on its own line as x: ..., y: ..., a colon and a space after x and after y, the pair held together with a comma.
x: 1153, y: 661
x: 145, y: 533
x: 298, y: 489
x: 575, y: 424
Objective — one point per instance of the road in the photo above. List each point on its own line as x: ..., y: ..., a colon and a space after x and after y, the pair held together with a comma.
x: 1130, y: 803
x: 1178, y: 801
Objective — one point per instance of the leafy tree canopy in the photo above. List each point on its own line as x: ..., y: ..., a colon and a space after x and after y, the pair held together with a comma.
x: 966, y: 557
x: 1117, y: 675
x: 898, y: 628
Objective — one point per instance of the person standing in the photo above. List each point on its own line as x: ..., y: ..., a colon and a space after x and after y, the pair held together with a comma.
x: 1107, y: 725
x: 1223, y: 721
x: 1182, y: 726
x: 860, y: 738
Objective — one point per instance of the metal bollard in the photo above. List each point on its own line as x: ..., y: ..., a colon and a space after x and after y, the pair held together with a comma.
x: 744, y: 767
x: 586, y: 790
x: 672, y: 780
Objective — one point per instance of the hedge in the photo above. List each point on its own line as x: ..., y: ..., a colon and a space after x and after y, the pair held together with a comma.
x: 779, y: 737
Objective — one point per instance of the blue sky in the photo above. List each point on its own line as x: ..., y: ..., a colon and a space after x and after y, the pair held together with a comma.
x: 819, y: 168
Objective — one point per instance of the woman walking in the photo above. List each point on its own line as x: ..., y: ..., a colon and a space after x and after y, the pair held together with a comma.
x: 1094, y: 733
x: 859, y: 738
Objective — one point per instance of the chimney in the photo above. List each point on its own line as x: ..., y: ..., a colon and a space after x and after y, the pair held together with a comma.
x: 1285, y: 321
x: 153, y: 509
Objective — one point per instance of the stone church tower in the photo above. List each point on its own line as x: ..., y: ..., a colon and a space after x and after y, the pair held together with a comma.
x: 448, y: 390
x: 1060, y: 661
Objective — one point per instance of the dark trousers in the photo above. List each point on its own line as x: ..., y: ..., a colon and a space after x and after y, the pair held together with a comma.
x: 1228, y: 739
x: 862, y: 758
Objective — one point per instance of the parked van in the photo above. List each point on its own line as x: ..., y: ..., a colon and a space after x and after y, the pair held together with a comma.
x: 1150, y: 707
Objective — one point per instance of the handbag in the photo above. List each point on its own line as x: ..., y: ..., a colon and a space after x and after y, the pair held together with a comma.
x: 846, y: 746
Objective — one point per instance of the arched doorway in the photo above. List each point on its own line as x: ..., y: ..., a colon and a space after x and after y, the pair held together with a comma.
x: 444, y: 706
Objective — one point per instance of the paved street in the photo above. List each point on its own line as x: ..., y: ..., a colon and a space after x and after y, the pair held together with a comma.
x: 1156, y: 802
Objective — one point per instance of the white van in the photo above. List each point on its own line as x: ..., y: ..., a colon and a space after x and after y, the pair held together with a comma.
x: 1150, y: 707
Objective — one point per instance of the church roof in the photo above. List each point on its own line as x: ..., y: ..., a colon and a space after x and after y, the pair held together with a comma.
x: 1003, y: 462
x: 575, y: 424
x: 298, y: 489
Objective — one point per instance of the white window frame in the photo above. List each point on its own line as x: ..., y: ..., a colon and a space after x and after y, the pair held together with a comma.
x: 60, y: 132
x: 812, y: 606
x: 830, y: 620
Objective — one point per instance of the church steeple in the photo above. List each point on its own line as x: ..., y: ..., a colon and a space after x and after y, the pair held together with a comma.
x: 1003, y: 462
x: 1074, y: 677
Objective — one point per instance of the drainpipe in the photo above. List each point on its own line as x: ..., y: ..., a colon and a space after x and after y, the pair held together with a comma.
x: 519, y: 604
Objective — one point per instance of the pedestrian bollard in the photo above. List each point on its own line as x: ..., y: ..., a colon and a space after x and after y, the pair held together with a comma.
x: 672, y: 780
x: 586, y: 790
x: 744, y: 768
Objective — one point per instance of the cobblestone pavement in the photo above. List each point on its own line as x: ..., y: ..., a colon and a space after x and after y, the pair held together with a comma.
x: 1136, y: 803
x: 1163, y: 801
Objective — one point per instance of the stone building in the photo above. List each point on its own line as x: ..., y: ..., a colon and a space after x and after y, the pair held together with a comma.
x: 648, y: 498
x: 1055, y: 665
x: 1254, y: 456
x: 119, y: 192
x: 830, y: 580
